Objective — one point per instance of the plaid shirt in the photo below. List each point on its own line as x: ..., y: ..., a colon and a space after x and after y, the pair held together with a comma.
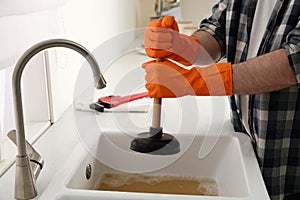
x: 274, y: 117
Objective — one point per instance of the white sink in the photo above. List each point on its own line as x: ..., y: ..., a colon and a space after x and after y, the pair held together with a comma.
x: 209, y: 149
x: 231, y: 163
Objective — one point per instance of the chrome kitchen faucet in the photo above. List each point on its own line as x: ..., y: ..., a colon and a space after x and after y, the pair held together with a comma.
x: 25, y: 178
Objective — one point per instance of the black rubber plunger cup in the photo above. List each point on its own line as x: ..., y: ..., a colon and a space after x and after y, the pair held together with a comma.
x: 155, y: 141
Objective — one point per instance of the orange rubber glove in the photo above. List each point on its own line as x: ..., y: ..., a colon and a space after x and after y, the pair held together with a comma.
x: 168, y: 80
x: 162, y: 40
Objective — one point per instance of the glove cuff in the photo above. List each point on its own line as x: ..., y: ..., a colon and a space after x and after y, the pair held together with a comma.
x: 214, y: 80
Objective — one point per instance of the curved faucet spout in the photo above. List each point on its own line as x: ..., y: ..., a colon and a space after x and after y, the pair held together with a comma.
x: 25, y: 182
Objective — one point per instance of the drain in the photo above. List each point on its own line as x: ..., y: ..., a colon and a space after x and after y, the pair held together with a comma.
x: 88, y: 171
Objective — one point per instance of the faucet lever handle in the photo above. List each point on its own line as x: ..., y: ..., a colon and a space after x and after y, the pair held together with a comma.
x: 36, y: 160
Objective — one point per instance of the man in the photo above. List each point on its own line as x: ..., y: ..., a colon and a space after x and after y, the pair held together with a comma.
x: 261, y: 42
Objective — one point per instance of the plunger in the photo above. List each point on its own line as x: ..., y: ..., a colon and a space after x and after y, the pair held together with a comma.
x: 155, y: 141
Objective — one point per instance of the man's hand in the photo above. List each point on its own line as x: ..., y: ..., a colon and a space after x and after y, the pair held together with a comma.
x: 162, y: 40
x: 168, y: 80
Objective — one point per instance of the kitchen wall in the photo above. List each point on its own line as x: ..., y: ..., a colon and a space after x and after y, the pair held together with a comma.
x: 196, y: 10
x: 90, y: 23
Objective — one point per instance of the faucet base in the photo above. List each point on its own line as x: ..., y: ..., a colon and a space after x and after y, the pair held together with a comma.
x: 25, y: 187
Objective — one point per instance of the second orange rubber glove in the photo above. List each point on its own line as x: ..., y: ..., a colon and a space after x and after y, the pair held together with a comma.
x: 168, y: 80
x: 162, y: 40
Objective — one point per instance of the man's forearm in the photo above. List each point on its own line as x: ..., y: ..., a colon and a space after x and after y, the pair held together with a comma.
x: 266, y: 73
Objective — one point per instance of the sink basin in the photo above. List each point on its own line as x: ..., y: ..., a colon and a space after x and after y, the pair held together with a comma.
x: 223, y: 164
x: 231, y: 163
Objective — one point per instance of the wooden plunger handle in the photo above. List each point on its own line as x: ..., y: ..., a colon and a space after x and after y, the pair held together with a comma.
x: 156, y: 113
x: 156, y: 116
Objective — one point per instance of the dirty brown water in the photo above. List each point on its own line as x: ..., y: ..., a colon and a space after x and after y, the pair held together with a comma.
x: 123, y: 182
